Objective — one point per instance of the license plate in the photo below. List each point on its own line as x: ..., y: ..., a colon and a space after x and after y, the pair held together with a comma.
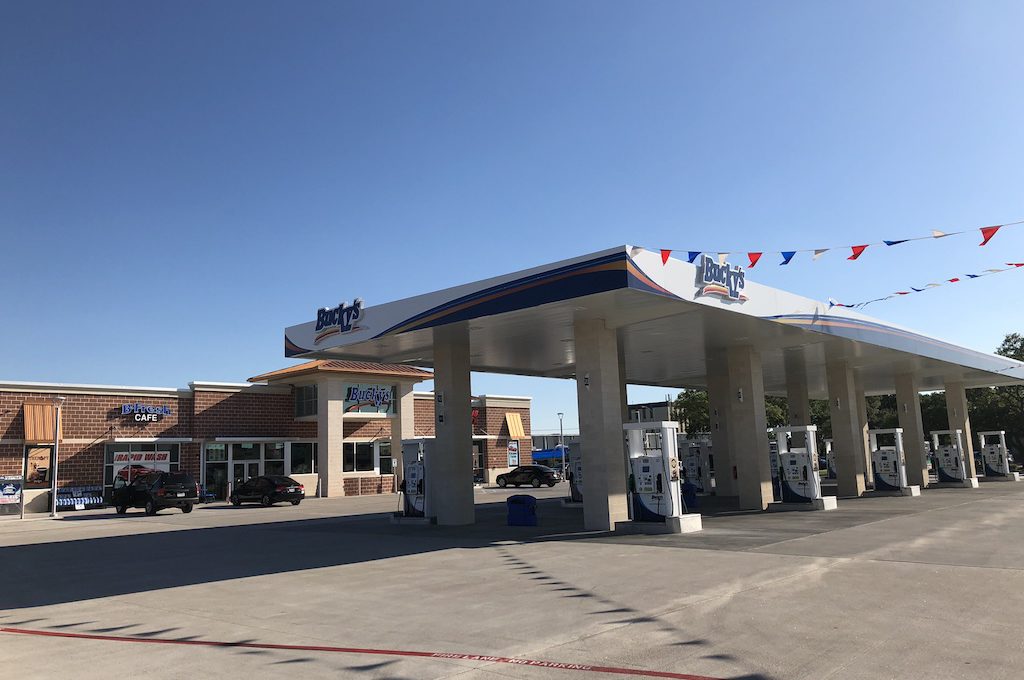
x: 181, y: 495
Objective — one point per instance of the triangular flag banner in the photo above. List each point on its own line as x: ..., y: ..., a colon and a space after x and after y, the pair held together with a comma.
x: 665, y: 255
x: 691, y: 255
x: 903, y: 292
x: 995, y: 271
x: 722, y: 257
x: 938, y: 234
x: 933, y: 285
x: 819, y: 252
x: 635, y: 250
x: 894, y: 243
x: 787, y: 255
x: 832, y: 303
x: 916, y: 290
x: 973, y: 276
x: 857, y: 252
x: 953, y: 280
x: 754, y: 257
x: 1016, y: 264
x: 987, y: 233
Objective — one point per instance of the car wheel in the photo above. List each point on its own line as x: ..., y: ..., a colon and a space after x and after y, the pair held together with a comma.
x: 121, y: 509
x: 296, y: 502
x: 266, y: 501
x: 536, y: 482
x: 236, y: 501
x: 551, y: 483
x: 151, y: 508
x: 186, y: 508
x: 502, y: 482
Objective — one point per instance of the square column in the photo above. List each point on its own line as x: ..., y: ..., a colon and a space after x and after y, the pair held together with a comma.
x: 862, y: 419
x: 748, y: 429
x: 847, y: 435
x: 718, y: 413
x: 908, y: 408
x: 402, y: 426
x: 450, y: 467
x: 798, y: 401
x: 330, y: 398
x: 599, y: 389
x: 960, y: 419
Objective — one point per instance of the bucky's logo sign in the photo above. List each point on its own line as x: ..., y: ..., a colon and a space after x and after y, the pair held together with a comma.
x: 721, y: 280
x: 340, y: 319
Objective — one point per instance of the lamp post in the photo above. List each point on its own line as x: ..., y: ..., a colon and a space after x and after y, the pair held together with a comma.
x: 57, y: 403
x: 561, y: 443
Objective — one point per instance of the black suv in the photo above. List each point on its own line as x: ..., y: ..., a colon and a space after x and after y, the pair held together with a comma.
x: 269, y: 489
x: 155, y: 491
x: 530, y: 474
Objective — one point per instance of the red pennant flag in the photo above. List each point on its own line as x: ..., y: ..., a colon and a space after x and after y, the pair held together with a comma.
x: 903, y: 292
x: 987, y: 233
x: 953, y: 280
x: 664, y: 255
x: 857, y: 252
x: 1016, y: 264
x: 754, y: 257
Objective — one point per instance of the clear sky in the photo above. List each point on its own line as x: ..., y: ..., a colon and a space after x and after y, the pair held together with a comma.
x: 179, y: 181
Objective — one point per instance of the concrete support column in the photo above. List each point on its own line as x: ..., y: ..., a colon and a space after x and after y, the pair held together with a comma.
x: 960, y: 419
x: 748, y: 429
x: 847, y: 439
x: 718, y: 413
x: 599, y: 390
x: 330, y: 398
x: 862, y: 419
x: 402, y: 426
x: 908, y: 407
x: 451, y: 464
x: 798, y: 402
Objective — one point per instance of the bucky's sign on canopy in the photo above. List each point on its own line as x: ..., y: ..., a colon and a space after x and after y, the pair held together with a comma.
x: 721, y: 279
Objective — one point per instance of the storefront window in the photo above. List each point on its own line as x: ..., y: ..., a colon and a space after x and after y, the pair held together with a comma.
x: 273, y: 459
x: 387, y: 466
x: 246, y: 451
x: 357, y: 457
x: 303, y: 458
x: 305, y: 401
x: 216, y: 453
x: 126, y: 461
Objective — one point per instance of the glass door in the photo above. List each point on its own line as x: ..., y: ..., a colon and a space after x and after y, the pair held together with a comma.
x: 244, y: 470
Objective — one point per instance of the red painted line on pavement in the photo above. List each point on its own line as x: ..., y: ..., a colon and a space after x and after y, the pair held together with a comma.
x: 357, y: 650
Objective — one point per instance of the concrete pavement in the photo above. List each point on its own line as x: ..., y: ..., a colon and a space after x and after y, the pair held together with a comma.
x: 926, y: 587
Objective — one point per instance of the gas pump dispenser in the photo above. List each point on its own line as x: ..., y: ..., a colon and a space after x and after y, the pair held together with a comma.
x: 830, y: 460
x: 949, y: 453
x: 415, y: 457
x: 695, y: 453
x: 654, y: 480
x: 574, y: 463
x: 798, y: 468
x: 995, y: 456
x: 889, y: 462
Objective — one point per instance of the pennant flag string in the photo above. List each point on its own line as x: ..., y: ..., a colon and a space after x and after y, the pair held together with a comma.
x: 987, y: 234
x: 987, y: 272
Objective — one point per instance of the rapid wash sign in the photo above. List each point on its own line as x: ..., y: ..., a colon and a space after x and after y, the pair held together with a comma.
x: 335, y: 320
x: 721, y: 280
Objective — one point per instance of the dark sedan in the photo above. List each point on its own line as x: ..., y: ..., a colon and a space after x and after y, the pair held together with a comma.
x: 269, y: 489
x: 534, y: 475
x: 155, y: 491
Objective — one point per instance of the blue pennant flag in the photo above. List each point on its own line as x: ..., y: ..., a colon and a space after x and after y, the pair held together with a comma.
x: 691, y: 255
x: 973, y: 276
x: 916, y: 290
x: 787, y: 255
x: 895, y: 243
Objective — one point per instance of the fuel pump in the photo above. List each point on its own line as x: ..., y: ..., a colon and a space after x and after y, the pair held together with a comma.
x: 949, y: 454
x: 574, y: 463
x: 654, y: 480
x: 773, y: 465
x: 995, y: 456
x: 830, y: 460
x: 889, y: 462
x: 695, y: 454
x: 798, y: 468
x: 415, y: 457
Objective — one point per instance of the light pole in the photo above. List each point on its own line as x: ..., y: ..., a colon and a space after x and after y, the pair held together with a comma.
x: 561, y: 444
x: 57, y: 403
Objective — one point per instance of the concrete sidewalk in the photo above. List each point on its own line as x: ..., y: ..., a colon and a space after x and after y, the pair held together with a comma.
x: 923, y: 587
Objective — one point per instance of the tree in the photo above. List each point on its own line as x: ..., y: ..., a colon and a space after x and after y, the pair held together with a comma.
x: 690, y: 409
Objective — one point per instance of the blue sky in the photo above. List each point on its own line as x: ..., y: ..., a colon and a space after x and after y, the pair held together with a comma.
x: 180, y: 181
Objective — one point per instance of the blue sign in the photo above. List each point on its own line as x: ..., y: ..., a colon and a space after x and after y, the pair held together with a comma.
x: 10, y: 492
x: 340, y: 319
x: 144, y: 412
x: 721, y: 279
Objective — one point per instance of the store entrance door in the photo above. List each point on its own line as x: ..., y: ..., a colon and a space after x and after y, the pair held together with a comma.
x: 244, y: 470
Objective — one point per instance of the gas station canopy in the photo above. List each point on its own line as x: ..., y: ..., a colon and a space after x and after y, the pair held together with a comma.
x: 669, y: 316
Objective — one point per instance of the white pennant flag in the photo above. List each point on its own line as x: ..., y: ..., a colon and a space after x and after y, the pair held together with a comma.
x: 722, y: 257
x: 818, y: 253
x: 635, y: 250
x: 938, y: 234
x: 933, y: 285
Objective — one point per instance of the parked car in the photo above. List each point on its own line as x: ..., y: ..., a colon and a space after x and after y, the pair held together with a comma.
x: 269, y: 489
x: 536, y: 475
x: 155, y: 491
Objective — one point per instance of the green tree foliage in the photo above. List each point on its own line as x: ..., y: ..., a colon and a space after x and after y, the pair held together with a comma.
x: 690, y: 409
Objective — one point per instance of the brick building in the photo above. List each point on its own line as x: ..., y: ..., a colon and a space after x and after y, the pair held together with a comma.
x: 328, y: 424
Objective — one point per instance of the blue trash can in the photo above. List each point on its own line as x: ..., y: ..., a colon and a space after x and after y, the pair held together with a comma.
x: 690, y: 495
x: 522, y: 510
